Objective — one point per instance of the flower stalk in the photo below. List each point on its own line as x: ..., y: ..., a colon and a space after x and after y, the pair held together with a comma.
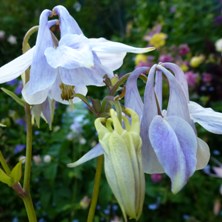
x: 95, y: 189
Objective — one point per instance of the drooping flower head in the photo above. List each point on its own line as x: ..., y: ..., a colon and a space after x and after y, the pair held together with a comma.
x: 121, y: 147
x: 62, y: 68
x: 169, y: 138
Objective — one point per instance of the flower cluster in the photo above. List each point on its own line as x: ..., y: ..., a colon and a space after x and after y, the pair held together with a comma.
x: 142, y: 135
x: 202, y: 71
x: 61, y: 68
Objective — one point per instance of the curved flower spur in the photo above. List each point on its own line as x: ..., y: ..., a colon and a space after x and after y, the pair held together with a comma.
x: 169, y: 138
x: 59, y: 69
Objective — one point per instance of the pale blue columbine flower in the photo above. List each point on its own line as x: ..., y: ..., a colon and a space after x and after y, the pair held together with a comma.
x: 59, y: 69
x: 170, y: 143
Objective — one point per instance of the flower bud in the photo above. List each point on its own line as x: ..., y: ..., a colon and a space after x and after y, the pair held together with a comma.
x: 123, y: 164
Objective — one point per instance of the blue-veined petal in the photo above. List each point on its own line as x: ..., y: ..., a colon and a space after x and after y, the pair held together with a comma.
x: 111, y: 54
x: 175, y: 145
x: 16, y: 67
x: 206, y: 117
x: 68, y: 25
x: 42, y: 76
x: 132, y: 96
x: 93, y: 153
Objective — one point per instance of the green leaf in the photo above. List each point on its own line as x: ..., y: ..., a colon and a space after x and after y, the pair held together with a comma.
x: 13, y: 96
x: 16, y: 173
x: 4, y: 178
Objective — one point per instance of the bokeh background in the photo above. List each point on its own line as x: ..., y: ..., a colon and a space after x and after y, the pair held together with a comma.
x: 184, y: 32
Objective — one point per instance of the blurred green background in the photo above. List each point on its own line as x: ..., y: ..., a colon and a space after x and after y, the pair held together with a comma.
x: 62, y: 194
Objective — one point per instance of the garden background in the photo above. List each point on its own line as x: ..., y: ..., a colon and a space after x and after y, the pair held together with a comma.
x: 187, y: 30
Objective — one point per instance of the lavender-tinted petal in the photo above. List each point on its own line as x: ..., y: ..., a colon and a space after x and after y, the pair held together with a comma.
x: 48, y: 108
x: 158, y: 87
x: 68, y: 25
x: 179, y: 76
x: 132, y: 96
x: 150, y: 162
x: 17, y: 66
x: 74, y: 40
x: 93, y: 153
x: 42, y: 76
x: 177, y: 105
x: 111, y: 54
x: 85, y: 76
x: 203, y: 154
x: 69, y: 58
x: 175, y: 145
x: 206, y: 117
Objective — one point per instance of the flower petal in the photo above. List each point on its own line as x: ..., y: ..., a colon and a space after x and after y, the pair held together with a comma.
x: 150, y: 161
x: 206, y: 117
x: 93, y: 153
x: 177, y: 105
x: 175, y: 145
x: 203, y: 154
x: 42, y: 76
x: 179, y: 76
x: 132, y: 96
x: 85, y: 76
x: 16, y: 67
x: 158, y: 87
x: 69, y: 58
x: 67, y: 25
x: 111, y: 54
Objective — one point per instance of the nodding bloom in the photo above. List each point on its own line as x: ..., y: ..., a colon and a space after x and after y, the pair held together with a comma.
x: 170, y: 142
x: 123, y: 162
x: 61, y: 68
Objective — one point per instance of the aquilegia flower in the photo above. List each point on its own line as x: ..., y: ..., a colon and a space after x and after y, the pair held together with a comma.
x: 170, y: 143
x: 123, y: 162
x: 59, y: 69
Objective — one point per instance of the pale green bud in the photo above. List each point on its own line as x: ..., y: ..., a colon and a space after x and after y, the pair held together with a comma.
x: 123, y: 162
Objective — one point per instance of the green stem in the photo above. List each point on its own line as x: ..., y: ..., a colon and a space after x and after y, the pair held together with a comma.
x: 95, y: 189
x: 28, y: 162
x: 27, y: 200
x: 28, y: 159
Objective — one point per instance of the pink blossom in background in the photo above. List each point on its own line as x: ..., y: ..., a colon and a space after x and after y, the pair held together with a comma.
x: 156, y: 178
x: 192, y: 78
x: 166, y: 58
x: 184, y: 49
x: 207, y: 77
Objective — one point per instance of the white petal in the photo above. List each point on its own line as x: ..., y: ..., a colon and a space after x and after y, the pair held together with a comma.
x: 203, y: 154
x: 69, y: 58
x: 206, y: 117
x: 111, y: 54
x: 93, y: 153
x: 16, y: 67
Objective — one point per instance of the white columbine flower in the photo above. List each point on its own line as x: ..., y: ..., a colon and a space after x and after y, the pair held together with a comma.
x: 59, y: 69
